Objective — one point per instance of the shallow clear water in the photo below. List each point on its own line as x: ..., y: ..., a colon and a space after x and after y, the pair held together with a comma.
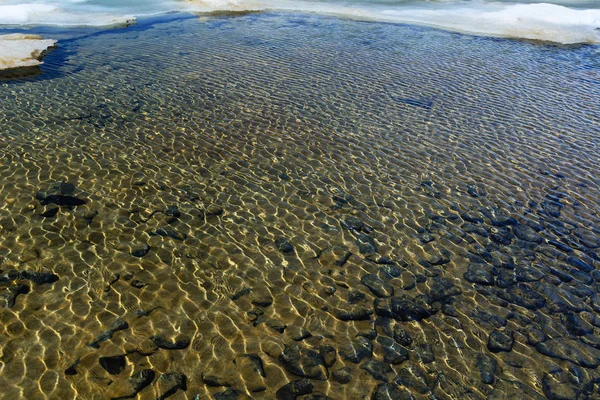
x: 456, y: 175
x: 557, y: 21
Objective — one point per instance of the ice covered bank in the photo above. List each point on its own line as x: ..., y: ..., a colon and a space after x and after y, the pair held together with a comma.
x: 22, y: 51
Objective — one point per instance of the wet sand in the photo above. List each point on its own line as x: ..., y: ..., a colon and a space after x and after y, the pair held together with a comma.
x: 289, y: 206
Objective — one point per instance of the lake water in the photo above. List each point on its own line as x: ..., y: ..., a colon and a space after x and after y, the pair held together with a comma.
x: 214, y: 206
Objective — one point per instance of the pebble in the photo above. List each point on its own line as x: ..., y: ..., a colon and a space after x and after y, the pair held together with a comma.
x: 442, y: 290
x: 357, y: 297
x: 403, y: 308
x: 587, y: 238
x: 484, y: 317
x: 579, y: 264
x: 138, y: 284
x: 261, y: 298
x: 173, y: 211
x: 250, y: 364
x: 502, y: 236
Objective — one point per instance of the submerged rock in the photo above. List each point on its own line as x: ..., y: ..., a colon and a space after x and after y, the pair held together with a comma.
x: 556, y: 386
x: 479, y: 273
x: 142, y: 379
x: 292, y: 390
x: 366, y: 244
x: 527, y: 233
x: 334, y: 255
x: 402, y: 336
x: 377, y: 286
x: 414, y: 379
x: 117, y: 325
x: 387, y: 391
x: 487, y: 368
x: 38, y: 278
x: 393, y: 353
x: 139, y: 249
x: 61, y: 200
x: 377, y: 369
x: 304, y: 362
x: 113, y: 364
x: 250, y: 367
x: 10, y: 295
x: 500, y: 341
x: 284, y: 246
x: 229, y: 394
x: 180, y: 343
x: 404, y: 308
x: 356, y: 350
x: 342, y: 375
x: 570, y: 350
x: 524, y: 296
x: 169, y: 232
x: 357, y: 314
x: 169, y: 383
x: 137, y: 382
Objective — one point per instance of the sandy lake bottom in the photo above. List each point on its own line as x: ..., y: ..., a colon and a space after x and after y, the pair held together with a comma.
x: 293, y: 206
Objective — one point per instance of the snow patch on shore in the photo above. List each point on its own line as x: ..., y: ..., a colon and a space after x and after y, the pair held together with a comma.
x: 57, y: 15
x: 21, y: 50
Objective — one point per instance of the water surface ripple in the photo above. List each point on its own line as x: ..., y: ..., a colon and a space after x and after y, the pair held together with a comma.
x: 292, y: 206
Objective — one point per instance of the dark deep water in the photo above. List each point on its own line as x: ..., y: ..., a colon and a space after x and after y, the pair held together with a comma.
x: 379, y: 211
